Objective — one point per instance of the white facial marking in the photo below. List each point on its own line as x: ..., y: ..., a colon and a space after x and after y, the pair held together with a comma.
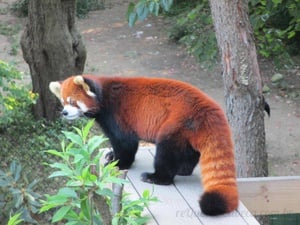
x: 71, y: 112
x: 82, y: 106
x: 91, y: 94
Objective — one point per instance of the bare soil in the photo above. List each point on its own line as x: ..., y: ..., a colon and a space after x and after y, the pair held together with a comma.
x: 113, y: 48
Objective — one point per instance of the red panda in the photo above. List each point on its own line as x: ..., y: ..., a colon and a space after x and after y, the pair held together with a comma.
x: 181, y: 120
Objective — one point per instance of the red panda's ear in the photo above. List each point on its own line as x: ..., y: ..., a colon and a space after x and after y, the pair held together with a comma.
x: 79, y: 80
x: 55, y: 88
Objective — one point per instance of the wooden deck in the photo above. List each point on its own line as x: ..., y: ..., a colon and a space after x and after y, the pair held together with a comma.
x: 178, y: 203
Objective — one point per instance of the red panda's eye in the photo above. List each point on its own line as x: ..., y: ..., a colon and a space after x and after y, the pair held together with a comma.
x: 70, y: 101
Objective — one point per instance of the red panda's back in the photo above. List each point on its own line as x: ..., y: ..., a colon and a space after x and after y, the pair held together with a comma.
x: 144, y: 105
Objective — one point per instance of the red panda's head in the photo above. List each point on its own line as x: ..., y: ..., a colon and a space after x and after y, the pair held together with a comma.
x: 77, y: 96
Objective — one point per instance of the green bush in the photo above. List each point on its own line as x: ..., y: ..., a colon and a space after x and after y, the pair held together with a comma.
x: 80, y: 200
x: 17, y: 195
x: 194, y: 29
x: 21, y: 136
x: 15, y: 99
x: 276, y: 26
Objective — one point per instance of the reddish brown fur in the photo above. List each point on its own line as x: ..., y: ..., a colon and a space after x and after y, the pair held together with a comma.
x: 154, y: 108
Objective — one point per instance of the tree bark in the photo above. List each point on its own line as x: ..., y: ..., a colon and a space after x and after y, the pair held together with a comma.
x: 243, y: 86
x: 53, y: 49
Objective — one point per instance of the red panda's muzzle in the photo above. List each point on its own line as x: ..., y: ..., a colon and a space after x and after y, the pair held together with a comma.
x: 71, y: 112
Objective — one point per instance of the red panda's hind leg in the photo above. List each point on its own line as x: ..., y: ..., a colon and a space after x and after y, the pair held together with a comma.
x: 189, y: 160
x: 166, y: 164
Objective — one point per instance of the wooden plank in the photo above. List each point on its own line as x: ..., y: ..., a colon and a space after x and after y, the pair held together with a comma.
x: 130, y: 189
x: 190, y: 188
x: 246, y: 214
x: 171, y: 203
x: 178, y: 203
x: 270, y: 195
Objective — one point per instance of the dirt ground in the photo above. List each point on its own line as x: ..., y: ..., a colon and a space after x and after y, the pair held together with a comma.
x: 115, y: 49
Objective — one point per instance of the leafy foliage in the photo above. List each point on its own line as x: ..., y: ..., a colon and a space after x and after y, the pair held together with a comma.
x: 20, y: 7
x: 87, y: 181
x: 21, y: 136
x: 14, y: 98
x: 131, y: 212
x: 17, y: 195
x: 194, y: 29
x: 276, y: 26
x: 144, y: 8
x: 15, y: 220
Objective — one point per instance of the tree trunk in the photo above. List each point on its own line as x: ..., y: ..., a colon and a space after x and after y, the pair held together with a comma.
x: 53, y: 49
x: 243, y: 85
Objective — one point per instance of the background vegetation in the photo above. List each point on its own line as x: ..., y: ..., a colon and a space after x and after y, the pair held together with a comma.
x: 276, y: 25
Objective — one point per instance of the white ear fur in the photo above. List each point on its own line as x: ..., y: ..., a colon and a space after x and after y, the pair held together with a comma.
x: 80, y: 81
x: 55, y: 88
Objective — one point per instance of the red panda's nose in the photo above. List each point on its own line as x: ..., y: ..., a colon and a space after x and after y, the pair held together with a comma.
x: 64, y: 112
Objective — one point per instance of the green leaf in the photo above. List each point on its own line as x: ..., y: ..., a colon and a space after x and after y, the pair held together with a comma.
x: 75, y: 183
x: 64, y: 170
x: 291, y: 34
x: 57, y: 199
x: 132, y: 18
x: 105, y: 192
x: 4, y: 183
x: 56, y: 153
x: 74, y: 138
x: 78, y: 158
x: 146, y: 194
x: 59, y: 174
x: 166, y: 4
x: 156, y: 9
x: 15, y: 219
x: 131, y: 14
x: 142, y: 10
x: 32, y: 184
x: 87, y: 128
x: 47, y: 206
x: 85, y: 208
x: 67, y: 192
x: 85, y: 173
x: 95, y: 142
x: 61, y: 213
x: 17, y: 172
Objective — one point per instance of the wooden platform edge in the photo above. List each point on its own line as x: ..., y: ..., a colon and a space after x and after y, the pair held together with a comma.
x: 178, y: 202
x: 270, y: 195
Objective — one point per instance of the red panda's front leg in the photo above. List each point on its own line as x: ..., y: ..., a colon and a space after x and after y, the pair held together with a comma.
x: 124, y: 151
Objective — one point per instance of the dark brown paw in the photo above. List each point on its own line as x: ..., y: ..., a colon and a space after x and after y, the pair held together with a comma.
x: 109, y: 157
x: 154, y: 179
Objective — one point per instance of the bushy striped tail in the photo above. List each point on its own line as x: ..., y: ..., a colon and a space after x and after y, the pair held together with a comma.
x: 218, y: 175
x: 219, y: 200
